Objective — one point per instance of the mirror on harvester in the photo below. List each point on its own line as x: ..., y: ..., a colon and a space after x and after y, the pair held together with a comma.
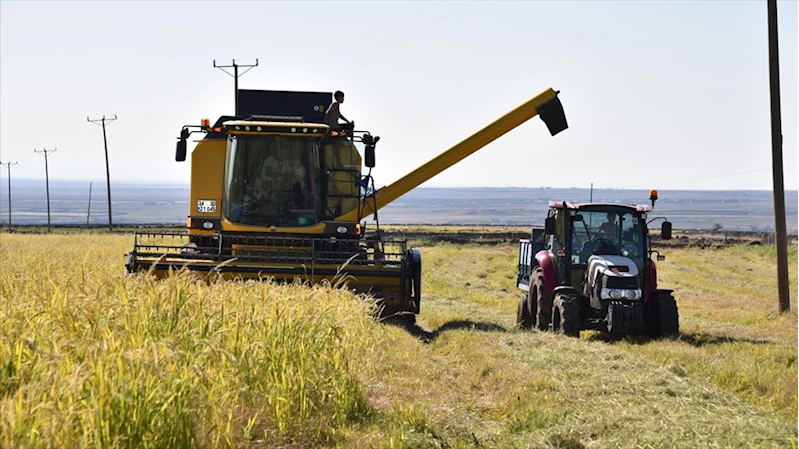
x: 665, y: 230
x: 369, y: 151
x: 369, y: 156
x: 549, y: 225
x: 180, y: 151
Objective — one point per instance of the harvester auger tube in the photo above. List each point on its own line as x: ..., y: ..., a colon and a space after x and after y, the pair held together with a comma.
x: 547, y: 105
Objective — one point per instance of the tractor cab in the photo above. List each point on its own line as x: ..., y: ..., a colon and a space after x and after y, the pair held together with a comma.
x: 578, y: 234
x: 596, y: 258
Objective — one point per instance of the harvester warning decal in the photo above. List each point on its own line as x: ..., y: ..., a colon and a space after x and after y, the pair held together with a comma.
x: 206, y: 205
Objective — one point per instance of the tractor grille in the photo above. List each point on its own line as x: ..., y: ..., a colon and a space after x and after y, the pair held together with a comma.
x: 625, y: 317
x: 621, y: 282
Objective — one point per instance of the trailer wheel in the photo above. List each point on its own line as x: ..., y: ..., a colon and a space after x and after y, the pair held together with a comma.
x: 523, y: 319
x: 664, y: 318
x: 539, y: 302
x: 566, y: 315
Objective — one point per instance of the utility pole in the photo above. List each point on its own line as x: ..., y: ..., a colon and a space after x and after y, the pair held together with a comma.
x: 89, y: 211
x: 46, y: 180
x: 236, y: 76
x: 776, y: 158
x: 107, y: 171
x: 9, y: 165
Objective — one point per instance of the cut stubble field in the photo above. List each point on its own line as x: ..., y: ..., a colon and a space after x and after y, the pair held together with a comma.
x: 90, y: 358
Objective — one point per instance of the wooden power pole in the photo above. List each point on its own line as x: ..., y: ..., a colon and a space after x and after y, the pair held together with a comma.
x: 45, y: 152
x: 776, y: 157
x: 102, y: 121
x: 9, y: 165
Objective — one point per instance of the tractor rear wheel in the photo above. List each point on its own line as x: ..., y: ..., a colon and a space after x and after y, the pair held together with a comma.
x: 566, y: 315
x: 664, y: 319
x: 523, y: 314
x: 539, y: 301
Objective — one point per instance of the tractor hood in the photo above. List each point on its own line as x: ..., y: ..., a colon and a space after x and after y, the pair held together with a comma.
x: 611, y: 275
x: 616, y: 266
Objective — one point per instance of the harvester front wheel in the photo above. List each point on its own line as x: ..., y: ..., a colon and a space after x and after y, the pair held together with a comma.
x: 523, y: 319
x: 539, y: 301
x: 566, y: 315
x: 664, y: 317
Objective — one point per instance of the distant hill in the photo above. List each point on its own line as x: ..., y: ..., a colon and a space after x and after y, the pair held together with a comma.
x: 746, y: 210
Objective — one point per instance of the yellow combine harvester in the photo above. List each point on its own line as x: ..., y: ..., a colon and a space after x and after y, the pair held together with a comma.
x: 276, y: 193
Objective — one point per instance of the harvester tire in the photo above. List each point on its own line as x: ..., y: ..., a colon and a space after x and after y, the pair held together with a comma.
x: 566, y: 315
x: 539, y: 302
x: 664, y: 316
x: 523, y: 319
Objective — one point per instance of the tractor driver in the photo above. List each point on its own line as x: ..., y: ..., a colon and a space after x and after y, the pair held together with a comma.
x: 608, y: 229
x: 333, y: 112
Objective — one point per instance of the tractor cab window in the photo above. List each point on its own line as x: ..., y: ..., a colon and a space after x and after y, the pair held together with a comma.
x: 273, y: 180
x: 556, y: 242
x: 607, y: 233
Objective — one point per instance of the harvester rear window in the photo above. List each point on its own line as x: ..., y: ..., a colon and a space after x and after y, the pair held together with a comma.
x: 273, y: 180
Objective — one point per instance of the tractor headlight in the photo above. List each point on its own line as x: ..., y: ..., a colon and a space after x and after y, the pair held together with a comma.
x: 632, y: 294
x: 611, y: 293
x: 616, y: 293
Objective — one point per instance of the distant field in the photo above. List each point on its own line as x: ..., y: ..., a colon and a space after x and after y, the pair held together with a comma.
x: 745, y: 210
x: 89, y: 358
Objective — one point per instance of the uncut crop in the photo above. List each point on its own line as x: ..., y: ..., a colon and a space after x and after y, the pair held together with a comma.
x: 90, y: 358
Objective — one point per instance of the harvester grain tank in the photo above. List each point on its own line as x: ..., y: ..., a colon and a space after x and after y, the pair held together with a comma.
x: 591, y: 267
x: 276, y: 193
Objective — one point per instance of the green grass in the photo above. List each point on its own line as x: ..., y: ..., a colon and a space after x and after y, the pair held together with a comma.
x: 90, y: 358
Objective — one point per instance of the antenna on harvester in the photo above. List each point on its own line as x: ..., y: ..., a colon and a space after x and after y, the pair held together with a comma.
x: 236, y: 76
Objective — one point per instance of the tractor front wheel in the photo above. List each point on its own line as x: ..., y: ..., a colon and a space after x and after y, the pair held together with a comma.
x: 664, y: 319
x: 566, y: 315
x: 539, y: 302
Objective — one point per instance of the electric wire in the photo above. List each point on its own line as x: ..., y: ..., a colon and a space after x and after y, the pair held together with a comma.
x: 394, y: 25
x: 384, y: 42
x: 446, y: 24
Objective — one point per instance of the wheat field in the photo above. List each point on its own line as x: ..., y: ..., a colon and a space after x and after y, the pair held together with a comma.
x: 91, y: 358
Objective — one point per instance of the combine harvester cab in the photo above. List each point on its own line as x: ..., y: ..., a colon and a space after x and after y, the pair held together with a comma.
x: 591, y: 267
x: 276, y: 194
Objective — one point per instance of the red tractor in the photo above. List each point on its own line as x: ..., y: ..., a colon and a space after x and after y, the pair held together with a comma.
x: 591, y: 267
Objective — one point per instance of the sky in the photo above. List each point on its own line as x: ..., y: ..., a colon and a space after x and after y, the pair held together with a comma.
x: 658, y: 94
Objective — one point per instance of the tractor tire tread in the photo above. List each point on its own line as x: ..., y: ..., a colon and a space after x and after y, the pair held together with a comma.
x: 569, y: 314
x: 542, y: 313
x: 523, y: 320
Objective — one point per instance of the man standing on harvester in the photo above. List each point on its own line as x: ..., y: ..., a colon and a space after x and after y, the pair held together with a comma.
x: 333, y: 112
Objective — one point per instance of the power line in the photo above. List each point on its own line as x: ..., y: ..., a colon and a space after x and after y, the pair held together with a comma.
x: 395, y: 24
x: 9, y: 165
x: 446, y: 24
x: 236, y: 76
x: 107, y: 170
x: 699, y: 179
x: 44, y: 152
x: 386, y: 41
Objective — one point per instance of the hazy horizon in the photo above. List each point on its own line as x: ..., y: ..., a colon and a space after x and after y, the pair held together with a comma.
x: 187, y: 184
x: 158, y: 203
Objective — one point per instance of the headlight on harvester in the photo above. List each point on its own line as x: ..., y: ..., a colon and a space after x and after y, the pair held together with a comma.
x: 619, y: 293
